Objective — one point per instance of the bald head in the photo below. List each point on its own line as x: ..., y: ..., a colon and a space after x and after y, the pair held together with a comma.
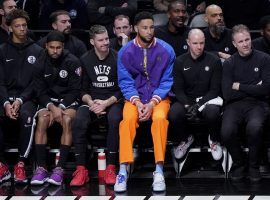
x: 196, y: 41
x: 212, y: 9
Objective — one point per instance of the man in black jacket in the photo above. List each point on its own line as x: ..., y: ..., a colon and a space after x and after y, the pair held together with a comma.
x: 245, y: 87
x: 61, y: 22
x: 58, y: 82
x: 197, y: 78
x: 100, y: 95
x: 17, y: 59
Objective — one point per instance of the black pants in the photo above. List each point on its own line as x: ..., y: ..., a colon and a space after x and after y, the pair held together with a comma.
x: 80, y: 126
x: 26, y: 133
x: 178, y: 121
x: 253, y: 114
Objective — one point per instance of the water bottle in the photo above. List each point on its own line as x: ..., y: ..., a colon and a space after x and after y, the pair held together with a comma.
x: 101, y: 164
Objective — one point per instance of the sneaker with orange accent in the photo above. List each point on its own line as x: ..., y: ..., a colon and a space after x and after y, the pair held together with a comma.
x: 19, y: 173
x: 110, y: 175
x: 4, y: 173
x: 80, y: 176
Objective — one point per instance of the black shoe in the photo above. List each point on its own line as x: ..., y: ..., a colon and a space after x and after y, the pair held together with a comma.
x: 254, y: 174
x: 238, y: 173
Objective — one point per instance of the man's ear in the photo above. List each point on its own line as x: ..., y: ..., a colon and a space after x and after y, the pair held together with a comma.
x: 92, y: 42
x: 136, y: 28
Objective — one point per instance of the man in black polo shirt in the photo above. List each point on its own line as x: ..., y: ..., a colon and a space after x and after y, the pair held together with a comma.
x: 217, y: 36
x: 263, y: 43
x: 245, y: 87
x: 175, y: 32
x: 197, y: 78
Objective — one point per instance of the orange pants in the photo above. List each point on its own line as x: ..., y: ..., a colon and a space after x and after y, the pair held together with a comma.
x: 159, y: 127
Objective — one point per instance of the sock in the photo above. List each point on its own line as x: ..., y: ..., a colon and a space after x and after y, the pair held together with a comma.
x: 123, y: 169
x: 159, y: 168
x: 64, y: 151
x: 41, y: 155
x: 111, y: 158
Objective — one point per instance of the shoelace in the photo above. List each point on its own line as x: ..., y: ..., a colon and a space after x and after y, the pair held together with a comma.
x: 19, y: 170
x: 39, y: 171
x: 58, y: 172
x: 78, y: 171
x: 2, y: 169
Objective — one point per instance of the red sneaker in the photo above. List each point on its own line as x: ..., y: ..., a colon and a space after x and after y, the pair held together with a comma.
x: 110, y: 175
x: 80, y: 176
x: 4, y: 173
x: 19, y: 173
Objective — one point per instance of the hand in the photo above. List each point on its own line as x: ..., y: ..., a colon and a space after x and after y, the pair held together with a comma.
x: 192, y: 112
x: 124, y: 38
x: 147, y: 111
x: 235, y: 86
x: 124, y: 5
x: 201, y: 7
x: 223, y: 55
x: 101, y: 10
x: 99, y: 106
x: 140, y: 108
x: 15, y: 107
x: 9, y: 111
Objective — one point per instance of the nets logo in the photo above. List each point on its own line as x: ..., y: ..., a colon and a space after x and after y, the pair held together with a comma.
x: 31, y: 59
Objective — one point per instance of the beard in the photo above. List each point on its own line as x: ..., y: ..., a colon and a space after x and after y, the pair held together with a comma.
x: 146, y: 40
x: 217, y: 29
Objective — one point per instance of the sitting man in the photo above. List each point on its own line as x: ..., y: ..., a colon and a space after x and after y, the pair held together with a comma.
x: 145, y: 78
x: 101, y: 96
x: 58, y: 85
x: 245, y: 87
x: 197, y: 80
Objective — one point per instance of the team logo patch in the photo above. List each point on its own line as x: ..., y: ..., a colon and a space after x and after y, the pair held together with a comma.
x: 63, y: 73
x: 185, y: 47
x: 206, y: 68
x: 256, y: 69
x: 78, y: 71
x: 31, y: 59
x: 73, y: 14
x: 227, y: 49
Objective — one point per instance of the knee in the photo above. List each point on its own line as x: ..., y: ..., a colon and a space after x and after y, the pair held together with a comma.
x: 114, y: 120
x: 227, y: 131
x: 176, y: 115
x: 254, y: 128
x: 42, y: 121
x: 212, y: 112
x: 80, y: 122
x: 67, y: 120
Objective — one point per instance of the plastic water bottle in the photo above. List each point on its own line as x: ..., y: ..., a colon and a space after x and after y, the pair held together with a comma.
x: 101, y: 164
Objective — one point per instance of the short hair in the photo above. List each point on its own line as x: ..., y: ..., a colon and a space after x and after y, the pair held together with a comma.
x: 239, y: 29
x: 120, y: 17
x: 141, y: 16
x: 264, y: 21
x: 55, y: 36
x: 15, y: 14
x: 96, y: 29
x: 55, y: 14
x: 171, y: 5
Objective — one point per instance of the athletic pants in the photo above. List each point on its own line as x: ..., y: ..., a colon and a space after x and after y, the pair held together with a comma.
x: 159, y: 127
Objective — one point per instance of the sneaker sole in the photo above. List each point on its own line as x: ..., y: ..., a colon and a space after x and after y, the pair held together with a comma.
x: 36, y: 182
x: 120, y: 190
x: 159, y: 190
x: 51, y: 181
x: 5, y: 178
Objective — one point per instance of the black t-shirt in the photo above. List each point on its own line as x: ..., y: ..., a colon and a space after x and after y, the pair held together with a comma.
x: 100, y: 76
x: 176, y: 40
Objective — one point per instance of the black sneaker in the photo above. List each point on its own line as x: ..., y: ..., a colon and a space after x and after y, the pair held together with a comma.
x: 238, y: 173
x: 254, y: 174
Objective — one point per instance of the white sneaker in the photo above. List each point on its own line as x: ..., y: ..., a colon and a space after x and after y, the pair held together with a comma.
x: 121, y: 183
x: 182, y: 148
x: 216, y: 149
x: 158, y: 182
